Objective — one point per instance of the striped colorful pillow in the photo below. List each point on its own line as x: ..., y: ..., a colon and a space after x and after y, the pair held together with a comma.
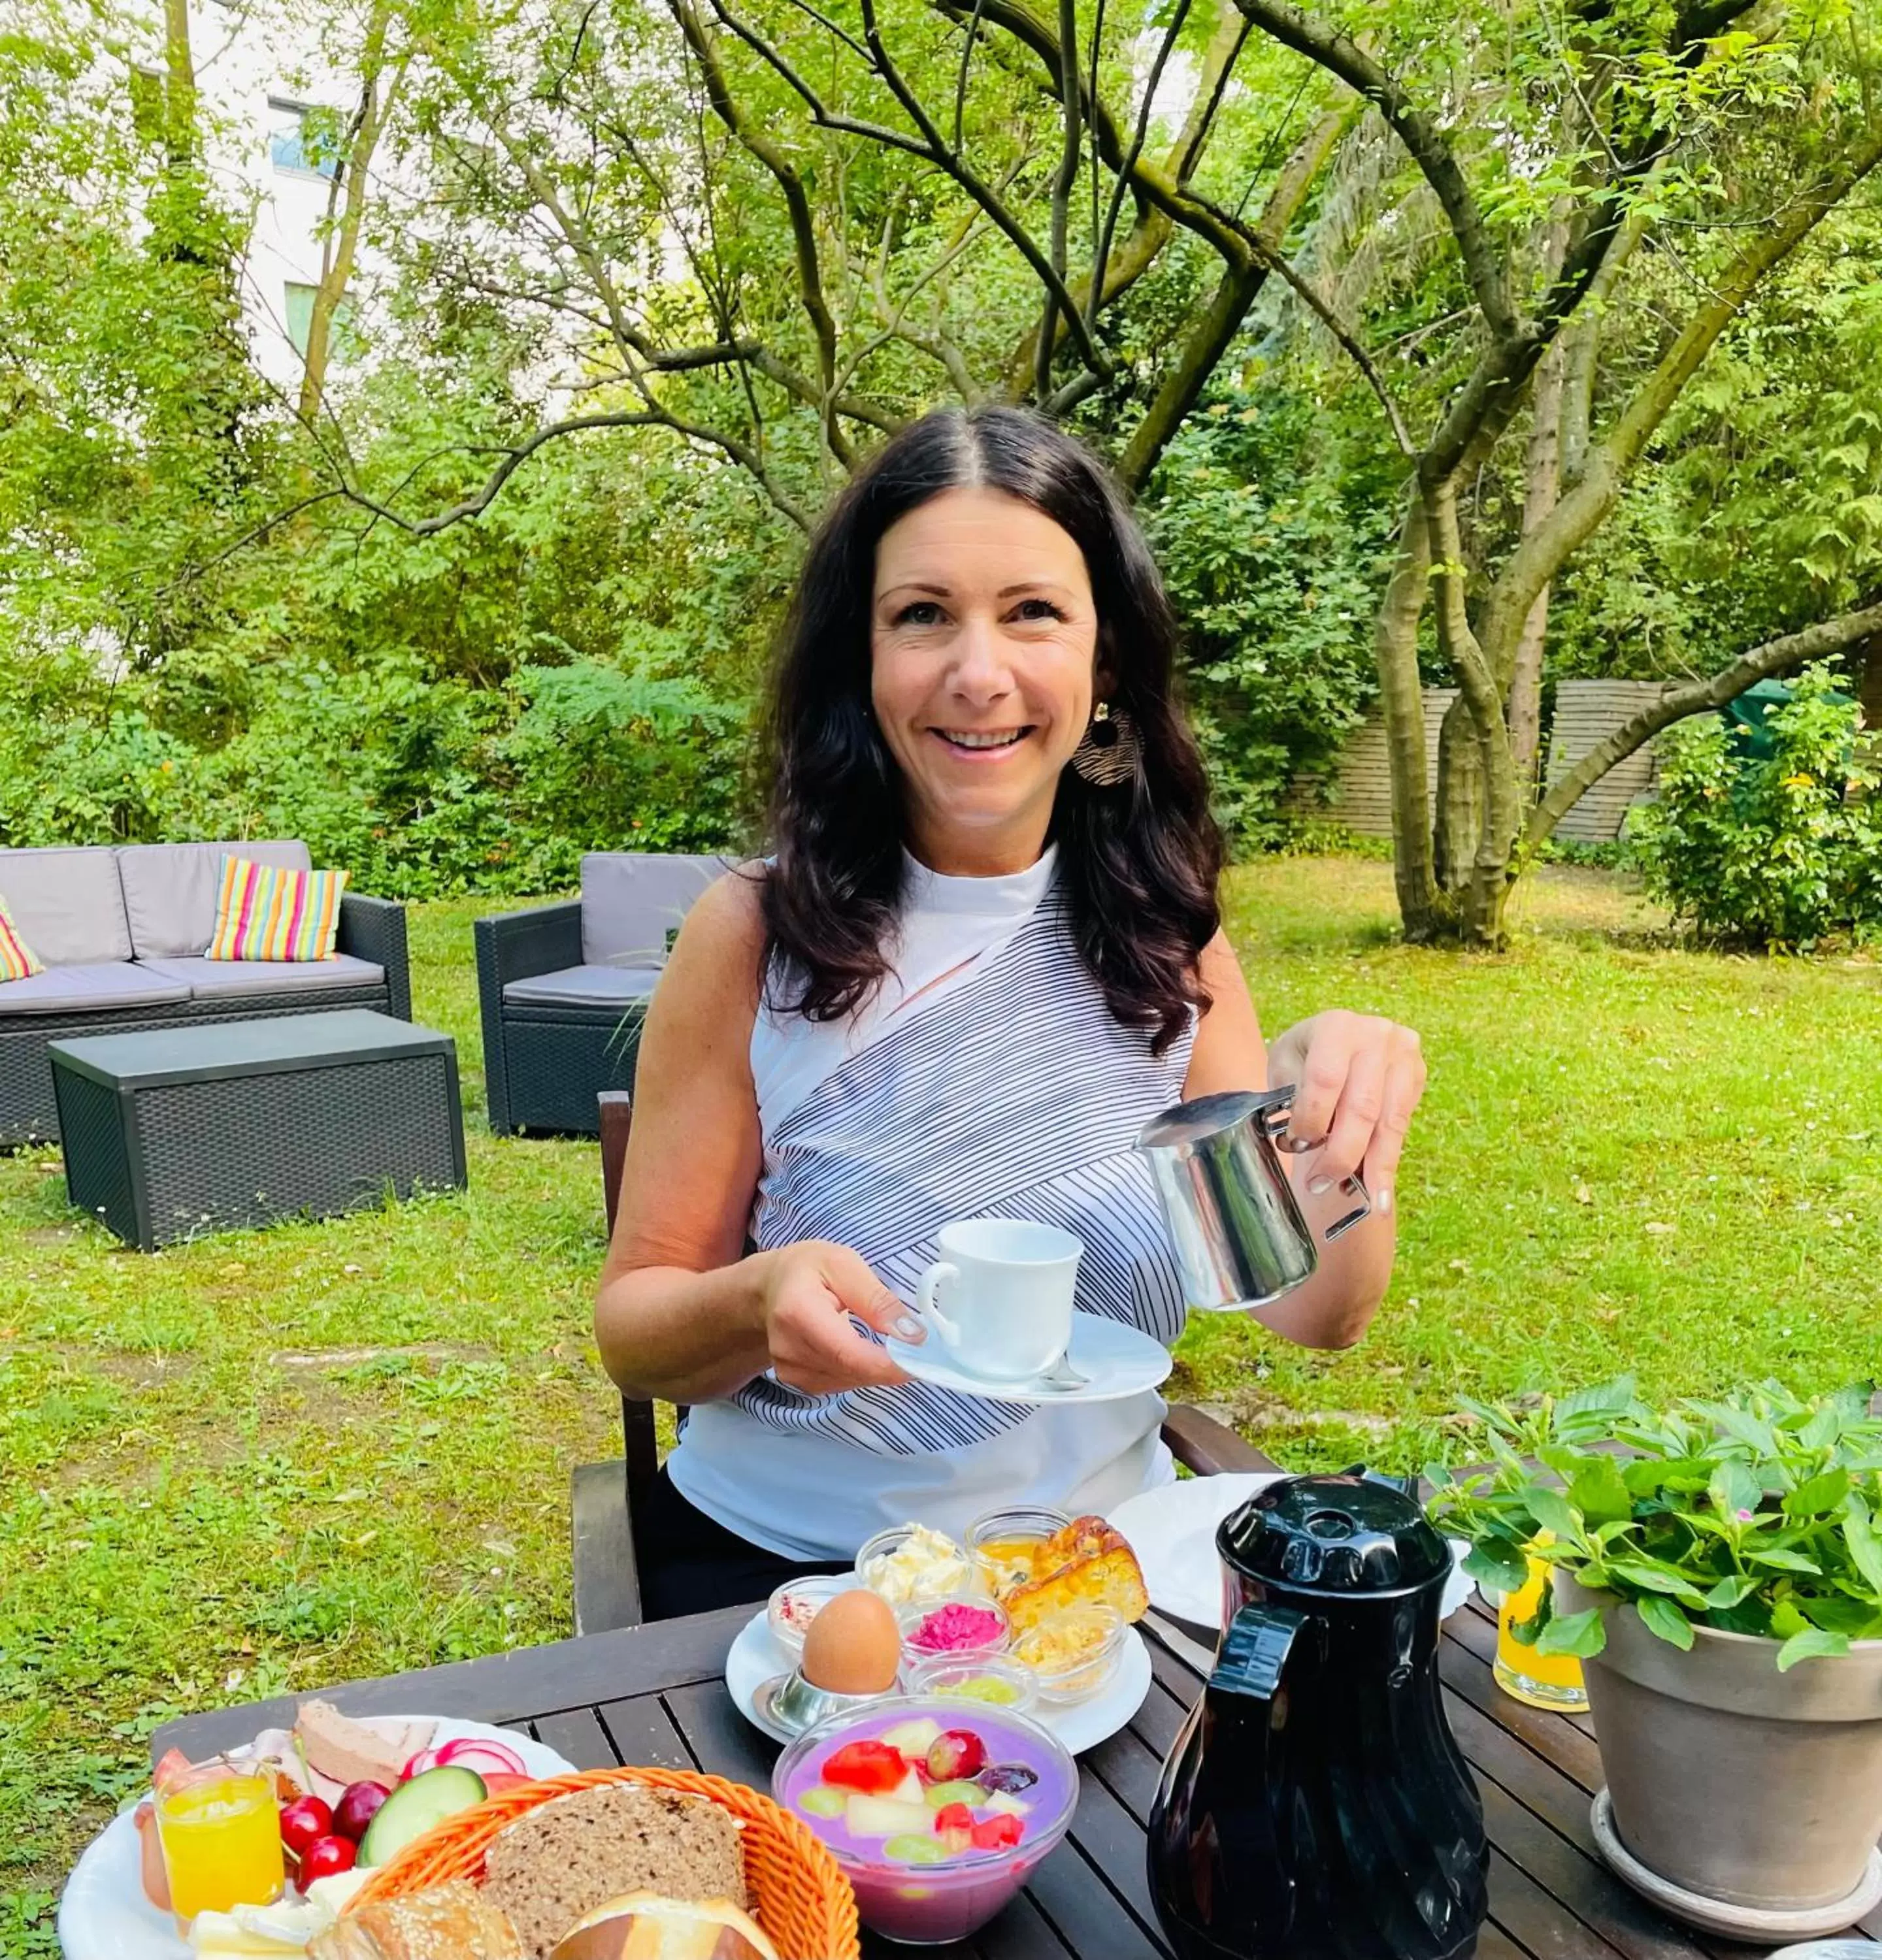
x: 265, y: 912
x: 18, y: 961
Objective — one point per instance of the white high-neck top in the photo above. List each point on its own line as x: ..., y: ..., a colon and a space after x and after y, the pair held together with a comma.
x: 947, y: 925
x: 987, y: 1076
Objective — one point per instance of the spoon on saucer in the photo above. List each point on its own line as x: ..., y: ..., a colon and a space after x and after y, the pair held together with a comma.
x: 1062, y: 1376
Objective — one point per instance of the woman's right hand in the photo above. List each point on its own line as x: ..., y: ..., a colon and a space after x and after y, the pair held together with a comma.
x: 808, y: 1294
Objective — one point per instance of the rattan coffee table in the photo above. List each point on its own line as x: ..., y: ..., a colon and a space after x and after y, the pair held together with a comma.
x: 173, y: 1132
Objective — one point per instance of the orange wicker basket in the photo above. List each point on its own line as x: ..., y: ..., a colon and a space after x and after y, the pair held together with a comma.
x: 799, y: 1896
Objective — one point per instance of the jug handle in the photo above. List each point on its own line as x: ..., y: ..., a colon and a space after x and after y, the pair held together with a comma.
x: 1274, y: 1119
x: 1254, y: 1651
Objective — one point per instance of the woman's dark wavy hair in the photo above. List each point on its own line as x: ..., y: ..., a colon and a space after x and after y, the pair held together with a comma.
x: 1138, y: 864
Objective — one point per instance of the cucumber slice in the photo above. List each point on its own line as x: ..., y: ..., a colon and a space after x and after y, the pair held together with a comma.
x: 414, y: 1807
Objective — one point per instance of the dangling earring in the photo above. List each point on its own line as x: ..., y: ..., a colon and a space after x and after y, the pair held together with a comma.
x: 1109, y: 755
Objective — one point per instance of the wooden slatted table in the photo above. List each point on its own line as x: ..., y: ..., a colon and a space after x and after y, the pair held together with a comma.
x: 656, y: 1695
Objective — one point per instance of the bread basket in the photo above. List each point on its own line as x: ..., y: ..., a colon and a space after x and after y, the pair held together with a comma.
x: 798, y: 1895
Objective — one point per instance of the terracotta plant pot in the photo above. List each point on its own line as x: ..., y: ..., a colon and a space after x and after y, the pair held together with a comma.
x: 1759, y: 1790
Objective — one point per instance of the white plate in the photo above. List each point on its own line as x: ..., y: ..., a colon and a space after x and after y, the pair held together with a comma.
x: 104, y: 1915
x: 1121, y: 1360
x: 756, y: 1657
x: 1172, y: 1530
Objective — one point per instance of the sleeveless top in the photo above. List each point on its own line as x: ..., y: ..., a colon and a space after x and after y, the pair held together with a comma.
x: 989, y: 1078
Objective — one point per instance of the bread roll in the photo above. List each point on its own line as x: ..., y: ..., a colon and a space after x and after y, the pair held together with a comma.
x: 643, y: 1926
x: 453, y: 1921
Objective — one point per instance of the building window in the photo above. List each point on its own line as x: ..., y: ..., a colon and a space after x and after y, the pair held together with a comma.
x: 300, y: 322
x: 303, y: 141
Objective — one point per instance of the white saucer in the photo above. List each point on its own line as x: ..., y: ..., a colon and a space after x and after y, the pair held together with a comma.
x: 755, y: 1658
x: 104, y: 1914
x: 1172, y: 1530
x: 1121, y: 1360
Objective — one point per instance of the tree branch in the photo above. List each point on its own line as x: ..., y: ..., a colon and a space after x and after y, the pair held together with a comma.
x: 1775, y: 657
x: 1544, y: 552
x: 1429, y: 148
x: 730, y: 112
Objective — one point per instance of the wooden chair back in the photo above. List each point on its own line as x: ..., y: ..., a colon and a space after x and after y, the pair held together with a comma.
x: 637, y: 1417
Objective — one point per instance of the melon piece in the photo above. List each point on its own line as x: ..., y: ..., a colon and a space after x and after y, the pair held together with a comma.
x: 886, y: 1817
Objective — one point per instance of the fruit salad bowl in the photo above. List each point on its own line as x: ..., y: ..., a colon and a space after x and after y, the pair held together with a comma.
x: 936, y: 1811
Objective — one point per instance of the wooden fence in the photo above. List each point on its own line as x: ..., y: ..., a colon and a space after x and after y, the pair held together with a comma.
x: 1586, y: 712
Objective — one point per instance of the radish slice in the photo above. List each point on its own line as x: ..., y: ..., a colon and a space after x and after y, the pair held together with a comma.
x: 472, y: 1752
x: 425, y: 1759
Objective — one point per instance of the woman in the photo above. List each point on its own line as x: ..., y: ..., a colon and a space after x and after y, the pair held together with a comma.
x: 986, y: 951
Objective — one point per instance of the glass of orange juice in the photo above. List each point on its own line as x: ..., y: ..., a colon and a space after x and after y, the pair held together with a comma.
x: 1544, y: 1681
x: 220, y: 1833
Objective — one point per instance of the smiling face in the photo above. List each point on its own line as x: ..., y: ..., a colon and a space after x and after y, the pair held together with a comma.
x: 983, y: 643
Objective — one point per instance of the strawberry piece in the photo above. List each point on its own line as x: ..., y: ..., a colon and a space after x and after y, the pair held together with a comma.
x: 872, y: 1767
x: 997, y: 1833
x: 954, y: 1825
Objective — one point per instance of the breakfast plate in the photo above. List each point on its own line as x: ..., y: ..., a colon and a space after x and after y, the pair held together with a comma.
x: 1120, y: 1360
x: 104, y: 1915
x: 755, y: 1658
x: 1172, y: 1530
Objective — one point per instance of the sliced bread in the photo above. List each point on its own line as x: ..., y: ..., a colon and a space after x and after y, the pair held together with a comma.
x: 566, y: 1857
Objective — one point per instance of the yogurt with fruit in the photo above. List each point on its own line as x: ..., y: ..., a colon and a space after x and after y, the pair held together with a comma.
x: 936, y: 1811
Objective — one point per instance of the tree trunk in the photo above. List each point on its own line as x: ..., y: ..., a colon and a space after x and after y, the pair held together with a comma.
x: 1869, y: 685
x: 1459, y: 828
x: 1395, y: 648
x: 1541, y: 485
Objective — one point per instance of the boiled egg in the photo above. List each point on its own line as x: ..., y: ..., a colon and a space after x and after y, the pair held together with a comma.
x: 853, y: 1646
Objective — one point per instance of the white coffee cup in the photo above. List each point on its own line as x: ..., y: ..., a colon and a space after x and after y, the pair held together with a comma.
x: 999, y: 1297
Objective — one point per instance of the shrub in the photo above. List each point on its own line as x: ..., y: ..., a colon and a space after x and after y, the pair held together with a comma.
x: 1778, y: 853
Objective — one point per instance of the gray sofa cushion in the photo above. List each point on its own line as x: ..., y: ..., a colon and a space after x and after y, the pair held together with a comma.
x: 68, y: 903
x: 584, y: 986
x: 81, y: 989
x: 632, y: 900
x: 207, y: 978
x: 170, y: 890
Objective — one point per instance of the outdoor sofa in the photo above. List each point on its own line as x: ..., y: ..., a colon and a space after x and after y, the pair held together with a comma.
x: 562, y: 989
x: 121, y: 931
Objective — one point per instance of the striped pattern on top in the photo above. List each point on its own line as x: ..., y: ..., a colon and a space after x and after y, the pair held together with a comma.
x: 265, y: 912
x: 1019, y: 1095
x: 17, y: 960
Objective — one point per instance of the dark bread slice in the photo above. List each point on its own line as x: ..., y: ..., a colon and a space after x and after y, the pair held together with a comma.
x: 568, y: 1856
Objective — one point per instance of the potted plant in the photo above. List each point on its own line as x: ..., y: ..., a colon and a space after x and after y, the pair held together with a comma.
x: 1717, y: 1566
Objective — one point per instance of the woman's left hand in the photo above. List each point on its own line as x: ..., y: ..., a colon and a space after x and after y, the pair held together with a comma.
x: 1357, y: 1079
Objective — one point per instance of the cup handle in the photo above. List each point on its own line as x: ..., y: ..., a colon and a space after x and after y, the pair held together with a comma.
x: 1274, y: 1126
x: 927, y: 1313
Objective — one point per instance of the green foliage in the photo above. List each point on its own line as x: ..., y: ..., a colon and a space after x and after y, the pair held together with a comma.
x: 1273, y: 543
x: 1778, y: 853
x: 1755, y: 1513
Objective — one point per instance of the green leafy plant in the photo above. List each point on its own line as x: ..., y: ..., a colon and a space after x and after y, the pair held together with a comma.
x: 1757, y: 1513
x: 1779, y: 852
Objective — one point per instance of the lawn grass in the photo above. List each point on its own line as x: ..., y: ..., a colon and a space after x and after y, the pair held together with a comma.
x: 271, y: 1460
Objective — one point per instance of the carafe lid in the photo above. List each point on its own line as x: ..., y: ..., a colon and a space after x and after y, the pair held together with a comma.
x: 1353, y: 1534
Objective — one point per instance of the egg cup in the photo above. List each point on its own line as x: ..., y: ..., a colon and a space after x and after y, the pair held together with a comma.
x: 790, y: 1703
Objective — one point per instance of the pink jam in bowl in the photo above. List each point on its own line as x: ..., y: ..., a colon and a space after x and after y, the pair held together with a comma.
x: 957, y: 1628
x: 909, y: 1885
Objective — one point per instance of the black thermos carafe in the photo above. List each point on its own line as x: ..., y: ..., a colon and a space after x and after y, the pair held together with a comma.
x: 1316, y: 1806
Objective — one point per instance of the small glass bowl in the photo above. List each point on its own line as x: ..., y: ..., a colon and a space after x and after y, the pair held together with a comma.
x: 948, y: 1677
x: 819, y: 1591
x: 1022, y: 1524
x: 910, y: 1619
x: 1092, y: 1672
x: 943, y: 1584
